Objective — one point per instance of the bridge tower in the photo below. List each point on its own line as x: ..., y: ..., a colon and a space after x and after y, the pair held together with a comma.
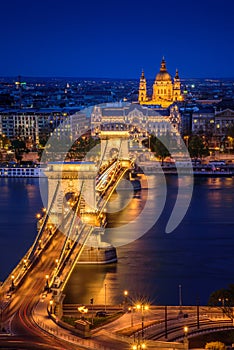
x: 71, y: 178
x: 114, y: 142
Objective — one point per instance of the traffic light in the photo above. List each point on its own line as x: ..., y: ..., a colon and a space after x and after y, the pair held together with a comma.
x: 91, y: 301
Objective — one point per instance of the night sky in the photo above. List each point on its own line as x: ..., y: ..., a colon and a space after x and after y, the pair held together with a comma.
x: 116, y: 39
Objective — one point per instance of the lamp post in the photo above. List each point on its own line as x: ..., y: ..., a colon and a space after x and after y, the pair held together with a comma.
x: 223, y: 304
x: 51, y: 306
x: 47, y: 282
x: 180, y: 299
x: 139, y: 345
x: 105, y: 295
x: 25, y: 263
x: 91, y: 302
x: 125, y: 300
x: 186, y: 336
x: 143, y: 308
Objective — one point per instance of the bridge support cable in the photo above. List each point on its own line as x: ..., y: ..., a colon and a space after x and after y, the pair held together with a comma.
x: 81, y: 246
x: 63, y: 253
x: 102, y: 157
x: 114, y: 165
x: 109, y: 194
x: 41, y: 230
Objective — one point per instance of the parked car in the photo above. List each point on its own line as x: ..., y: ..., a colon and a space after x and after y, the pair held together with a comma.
x: 101, y: 314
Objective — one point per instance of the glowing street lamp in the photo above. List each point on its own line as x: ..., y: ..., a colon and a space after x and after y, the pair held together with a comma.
x: 139, y: 345
x: 125, y: 293
x: 25, y: 263
x: 83, y: 310
x: 142, y: 307
x: 47, y: 282
x: 186, y: 336
x: 51, y: 305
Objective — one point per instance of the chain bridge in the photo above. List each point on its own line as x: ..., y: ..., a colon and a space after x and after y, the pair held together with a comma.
x: 78, y: 193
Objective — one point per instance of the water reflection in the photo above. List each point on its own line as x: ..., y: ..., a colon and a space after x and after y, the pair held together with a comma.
x: 197, y: 255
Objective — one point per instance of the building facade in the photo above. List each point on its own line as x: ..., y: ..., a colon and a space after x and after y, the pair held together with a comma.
x: 137, y: 118
x: 34, y: 125
x: 165, y: 89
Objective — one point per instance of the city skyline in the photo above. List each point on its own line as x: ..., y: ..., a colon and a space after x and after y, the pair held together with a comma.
x: 116, y: 40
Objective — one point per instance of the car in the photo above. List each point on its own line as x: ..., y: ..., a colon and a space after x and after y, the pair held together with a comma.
x: 101, y: 314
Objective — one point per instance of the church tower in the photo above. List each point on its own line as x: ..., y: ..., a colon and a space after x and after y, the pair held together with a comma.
x: 142, y: 96
x: 177, y: 88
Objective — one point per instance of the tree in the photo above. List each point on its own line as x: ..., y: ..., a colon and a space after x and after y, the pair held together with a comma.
x: 197, y: 147
x: 4, y: 141
x: 158, y: 146
x: 224, y: 299
x: 230, y: 131
x: 215, y: 345
x: 19, y: 147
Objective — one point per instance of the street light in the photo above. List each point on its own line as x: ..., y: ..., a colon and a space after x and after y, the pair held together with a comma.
x: 83, y: 310
x: 139, y: 345
x: 47, y: 282
x: 223, y: 304
x: 25, y: 263
x: 39, y: 244
x: 143, y: 308
x: 186, y: 336
x: 125, y: 300
x: 51, y: 306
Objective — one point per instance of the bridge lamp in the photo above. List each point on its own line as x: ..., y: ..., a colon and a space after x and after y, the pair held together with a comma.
x: 44, y: 210
x: 125, y: 293
x: 47, y: 281
x: 142, y: 307
x: 185, y: 334
x: 51, y: 306
x: 25, y: 263
x: 38, y: 216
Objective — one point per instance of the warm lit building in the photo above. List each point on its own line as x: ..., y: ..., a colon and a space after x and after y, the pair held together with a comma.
x: 165, y: 89
x: 158, y: 121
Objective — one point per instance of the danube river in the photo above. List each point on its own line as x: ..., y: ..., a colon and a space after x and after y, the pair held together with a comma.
x: 198, y: 255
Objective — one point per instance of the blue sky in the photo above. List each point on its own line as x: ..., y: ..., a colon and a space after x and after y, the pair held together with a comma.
x: 99, y: 38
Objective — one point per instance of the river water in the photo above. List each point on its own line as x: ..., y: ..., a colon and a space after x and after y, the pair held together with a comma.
x: 198, y: 255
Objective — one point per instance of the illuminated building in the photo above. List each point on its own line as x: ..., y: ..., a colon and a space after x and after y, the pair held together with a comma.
x: 157, y: 121
x: 165, y: 89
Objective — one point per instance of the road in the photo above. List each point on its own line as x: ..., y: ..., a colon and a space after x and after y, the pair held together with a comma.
x: 18, y: 315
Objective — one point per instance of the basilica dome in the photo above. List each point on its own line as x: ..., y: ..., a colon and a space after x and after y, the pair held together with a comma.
x: 163, y: 74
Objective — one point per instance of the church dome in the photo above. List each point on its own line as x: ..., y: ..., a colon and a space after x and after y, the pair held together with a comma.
x: 163, y: 74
